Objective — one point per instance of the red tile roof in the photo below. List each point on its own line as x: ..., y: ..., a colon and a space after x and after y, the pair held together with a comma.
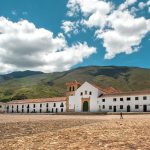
x: 108, y: 90
x: 146, y: 92
x: 72, y: 83
x: 39, y: 100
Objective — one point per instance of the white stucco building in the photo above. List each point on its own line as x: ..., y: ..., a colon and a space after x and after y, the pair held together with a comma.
x: 42, y: 105
x: 91, y: 98
x: 83, y: 98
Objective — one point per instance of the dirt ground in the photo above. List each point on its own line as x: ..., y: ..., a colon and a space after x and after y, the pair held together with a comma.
x: 42, y: 132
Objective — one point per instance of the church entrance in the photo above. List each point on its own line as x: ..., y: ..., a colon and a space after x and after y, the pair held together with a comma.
x: 144, y: 108
x: 114, y: 108
x: 85, y: 106
x: 128, y: 108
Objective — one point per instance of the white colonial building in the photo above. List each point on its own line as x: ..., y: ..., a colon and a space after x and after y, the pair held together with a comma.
x: 91, y: 98
x: 83, y: 98
x: 42, y: 105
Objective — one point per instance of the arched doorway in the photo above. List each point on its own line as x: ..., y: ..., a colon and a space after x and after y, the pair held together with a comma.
x: 128, y: 108
x: 85, y: 106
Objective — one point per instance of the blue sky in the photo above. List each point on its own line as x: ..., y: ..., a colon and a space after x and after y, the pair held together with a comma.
x: 51, y: 14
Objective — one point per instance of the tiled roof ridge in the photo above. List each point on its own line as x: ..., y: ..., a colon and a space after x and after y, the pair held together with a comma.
x: 128, y: 93
x: 38, y: 100
x: 105, y: 90
x: 98, y: 87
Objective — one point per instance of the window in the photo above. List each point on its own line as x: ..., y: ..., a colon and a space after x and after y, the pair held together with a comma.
x: 22, y: 106
x: 85, y: 92
x: 121, y: 99
x: 121, y: 106
x: 136, y: 106
x: 73, y: 88
x: 61, y: 105
x: 128, y: 98
x: 103, y: 100
x: 40, y: 110
x: 54, y: 105
x: 114, y: 99
x: 0, y: 106
x: 70, y: 89
x: 90, y: 93
x: 136, y: 98
x: 56, y: 110
x: 110, y: 107
x: 62, y: 110
x: 144, y: 97
x: 33, y: 105
x: 7, y: 108
x: 81, y: 93
x: 40, y: 105
x: 17, y: 108
x: 47, y: 105
x: 28, y: 106
x: 103, y: 107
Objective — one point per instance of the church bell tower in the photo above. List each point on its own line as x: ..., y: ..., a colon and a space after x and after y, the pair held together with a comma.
x: 71, y: 88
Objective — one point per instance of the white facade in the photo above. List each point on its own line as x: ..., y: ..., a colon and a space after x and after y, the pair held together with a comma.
x: 88, y: 91
x: 34, y: 107
x: 98, y: 101
x: 128, y: 103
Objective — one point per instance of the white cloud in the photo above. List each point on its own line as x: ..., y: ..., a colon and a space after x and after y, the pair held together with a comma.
x: 70, y: 27
x: 126, y: 33
x: 148, y: 3
x: 23, y: 46
x: 94, y: 11
x: 149, y: 9
x: 141, y: 5
x: 126, y: 4
x: 119, y: 27
x: 88, y: 6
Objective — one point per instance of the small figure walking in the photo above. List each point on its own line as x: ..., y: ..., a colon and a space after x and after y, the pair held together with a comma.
x: 121, y: 115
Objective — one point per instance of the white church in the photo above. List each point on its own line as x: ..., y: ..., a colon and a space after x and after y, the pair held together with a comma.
x: 83, y: 98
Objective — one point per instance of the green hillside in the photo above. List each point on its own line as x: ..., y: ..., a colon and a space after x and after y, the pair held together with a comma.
x: 36, y: 84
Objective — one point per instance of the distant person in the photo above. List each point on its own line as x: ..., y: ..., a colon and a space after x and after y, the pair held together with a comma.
x: 121, y: 115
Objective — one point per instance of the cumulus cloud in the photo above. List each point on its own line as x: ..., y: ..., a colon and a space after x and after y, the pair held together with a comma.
x: 94, y: 11
x: 126, y: 4
x: 126, y: 34
x: 70, y: 27
x: 23, y: 46
x: 117, y: 26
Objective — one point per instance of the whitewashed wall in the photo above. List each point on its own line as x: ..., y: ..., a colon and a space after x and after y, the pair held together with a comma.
x: 110, y: 102
x: 96, y: 103
x: 39, y: 107
x: 76, y: 101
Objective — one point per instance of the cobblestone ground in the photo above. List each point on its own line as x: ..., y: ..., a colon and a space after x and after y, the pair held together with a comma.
x: 24, y: 132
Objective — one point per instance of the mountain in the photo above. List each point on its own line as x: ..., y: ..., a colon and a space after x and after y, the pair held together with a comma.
x: 19, y: 74
x: 29, y: 84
